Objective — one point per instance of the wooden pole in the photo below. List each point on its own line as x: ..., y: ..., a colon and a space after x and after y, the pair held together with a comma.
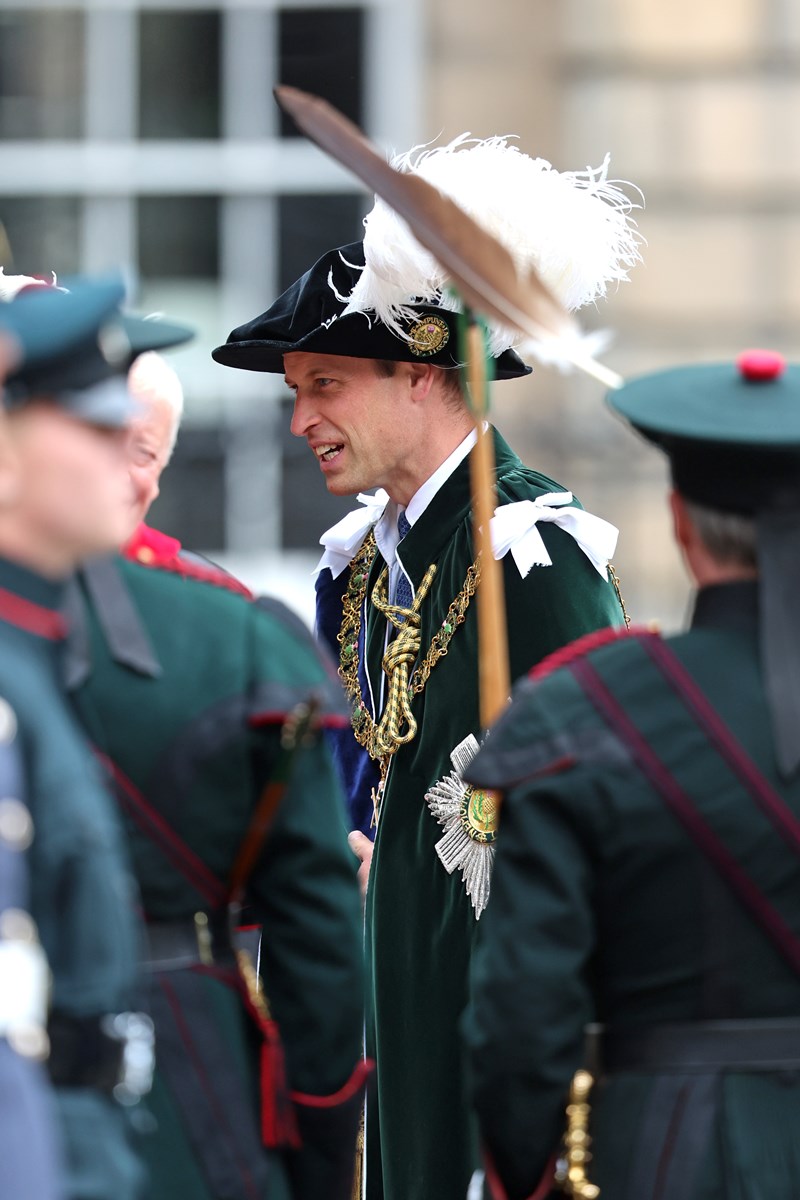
x: 493, y: 668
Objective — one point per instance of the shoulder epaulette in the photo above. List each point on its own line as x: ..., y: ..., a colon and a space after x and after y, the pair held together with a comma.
x: 584, y: 645
x: 202, y: 572
x: 207, y: 572
x: 151, y: 548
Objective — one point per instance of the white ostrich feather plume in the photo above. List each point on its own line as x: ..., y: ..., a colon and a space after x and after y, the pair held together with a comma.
x: 10, y: 285
x: 574, y: 227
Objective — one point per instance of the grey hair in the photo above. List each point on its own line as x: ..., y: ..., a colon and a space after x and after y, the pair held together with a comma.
x: 151, y: 376
x: 730, y: 538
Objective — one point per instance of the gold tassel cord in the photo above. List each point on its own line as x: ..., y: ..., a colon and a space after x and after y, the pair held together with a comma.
x: 398, y: 725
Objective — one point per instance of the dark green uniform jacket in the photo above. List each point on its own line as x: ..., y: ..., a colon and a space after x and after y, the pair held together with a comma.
x: 82, y: 895
x: 606, y: 909
x: 187, y: 708
x: 421, y: 925
x: 30, y: 1163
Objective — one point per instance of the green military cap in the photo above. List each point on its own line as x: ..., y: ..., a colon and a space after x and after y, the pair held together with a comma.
x: 732, y: 435
x: 74, y: 344
x: 731, y: 430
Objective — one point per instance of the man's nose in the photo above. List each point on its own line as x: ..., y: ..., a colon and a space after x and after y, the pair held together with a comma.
x: 304, y: 418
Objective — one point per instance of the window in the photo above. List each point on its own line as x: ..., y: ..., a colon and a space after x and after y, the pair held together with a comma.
x: 41, y: 73
x: 321, y: 50
x: 179, y: 74
x: 212, y: 227
x: 178, y: 237
x: 191, y: 506
x: 308, y: 226
x: 40, y: 234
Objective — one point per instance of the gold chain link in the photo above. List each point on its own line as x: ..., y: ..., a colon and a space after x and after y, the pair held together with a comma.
x: 383, y: 739
x: 615, y: 580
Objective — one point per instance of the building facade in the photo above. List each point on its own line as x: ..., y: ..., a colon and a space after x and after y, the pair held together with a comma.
x: 144, y: 134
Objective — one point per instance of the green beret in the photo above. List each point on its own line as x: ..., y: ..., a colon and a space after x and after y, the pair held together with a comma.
x: 731, y: 430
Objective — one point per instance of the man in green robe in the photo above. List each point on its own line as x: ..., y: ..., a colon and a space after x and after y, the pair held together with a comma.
x: 648, y: 870
x: 371, y: 353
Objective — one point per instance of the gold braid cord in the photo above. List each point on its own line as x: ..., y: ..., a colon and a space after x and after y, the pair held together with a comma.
x: 397, y: 725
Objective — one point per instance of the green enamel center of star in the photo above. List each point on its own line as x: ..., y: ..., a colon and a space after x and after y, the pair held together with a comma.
x: 479, y: 815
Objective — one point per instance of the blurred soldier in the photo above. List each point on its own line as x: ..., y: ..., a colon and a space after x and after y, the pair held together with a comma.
x: 30, y: 1167
x: 368, y: 341
x: 190, y: 691
x: 648, y: 873
x: 63, y: 490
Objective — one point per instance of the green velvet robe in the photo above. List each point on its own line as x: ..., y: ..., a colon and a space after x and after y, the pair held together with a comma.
x: 604, y: 909
x: 421, y: 926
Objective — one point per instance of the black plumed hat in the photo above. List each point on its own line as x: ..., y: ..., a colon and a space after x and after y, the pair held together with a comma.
x: 308, y: 316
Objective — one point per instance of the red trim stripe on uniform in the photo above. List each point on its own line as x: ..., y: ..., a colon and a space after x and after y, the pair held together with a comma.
x: 768, y: 800
x: 33, y: 618
x: 202, y: 574
x: 583, y: 645
x: 683, y: 807
x: 152, y: 825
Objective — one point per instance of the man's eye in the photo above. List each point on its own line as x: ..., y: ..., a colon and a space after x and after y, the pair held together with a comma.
x: 323, y: 381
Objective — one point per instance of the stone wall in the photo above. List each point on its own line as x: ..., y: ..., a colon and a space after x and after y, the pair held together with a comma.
x: 699, y: 104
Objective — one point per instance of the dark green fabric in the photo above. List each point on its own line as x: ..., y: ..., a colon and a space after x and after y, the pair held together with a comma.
x: 82, y: 895
x: 604, y: 909
x: 185, y: 741
x: 420, y: 923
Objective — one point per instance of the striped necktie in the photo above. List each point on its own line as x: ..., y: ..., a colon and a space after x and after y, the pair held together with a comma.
x: 403, y: 594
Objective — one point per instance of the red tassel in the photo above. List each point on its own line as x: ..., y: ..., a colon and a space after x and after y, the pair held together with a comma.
x: 278, y: 1121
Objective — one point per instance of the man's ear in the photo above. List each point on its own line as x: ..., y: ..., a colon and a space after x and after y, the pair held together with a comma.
x: 420, y: 378
x: 681, y: 523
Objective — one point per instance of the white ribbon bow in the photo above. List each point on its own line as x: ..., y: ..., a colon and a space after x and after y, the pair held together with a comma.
x: 513, y: 527
x: 343, y: 540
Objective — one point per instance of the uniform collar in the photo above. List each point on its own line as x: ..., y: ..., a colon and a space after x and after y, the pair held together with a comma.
x: 151, y: 546
x: 30, y: 602
x: 732, y: 607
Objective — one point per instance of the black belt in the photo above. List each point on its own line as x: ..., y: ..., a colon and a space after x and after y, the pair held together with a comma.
x: 187, y: 942
x: 703, y: 1047
x: 112, y: 1053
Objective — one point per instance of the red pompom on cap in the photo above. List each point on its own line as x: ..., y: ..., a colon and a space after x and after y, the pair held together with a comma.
x: 760, y: 366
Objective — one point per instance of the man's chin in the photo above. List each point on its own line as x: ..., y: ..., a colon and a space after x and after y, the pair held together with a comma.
x: 342, y: 486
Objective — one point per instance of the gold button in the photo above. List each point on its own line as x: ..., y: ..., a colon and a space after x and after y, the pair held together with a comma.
x: 16, y: 825
x: 145, y: 554
x: 8, y: 722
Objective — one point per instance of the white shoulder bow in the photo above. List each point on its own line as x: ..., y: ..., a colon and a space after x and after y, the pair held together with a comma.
x: 513, y: 528
x: 344, y: 539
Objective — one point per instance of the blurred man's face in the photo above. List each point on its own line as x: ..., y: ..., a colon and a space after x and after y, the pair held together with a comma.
x: 149, y: 442
x: 72, y: 486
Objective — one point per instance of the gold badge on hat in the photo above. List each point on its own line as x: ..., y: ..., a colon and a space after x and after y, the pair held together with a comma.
x: 428, y: 336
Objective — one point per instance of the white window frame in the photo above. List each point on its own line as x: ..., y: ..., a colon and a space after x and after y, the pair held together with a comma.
x: 248, y: 167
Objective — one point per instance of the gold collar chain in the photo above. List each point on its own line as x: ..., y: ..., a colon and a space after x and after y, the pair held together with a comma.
x: 397, y: 725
